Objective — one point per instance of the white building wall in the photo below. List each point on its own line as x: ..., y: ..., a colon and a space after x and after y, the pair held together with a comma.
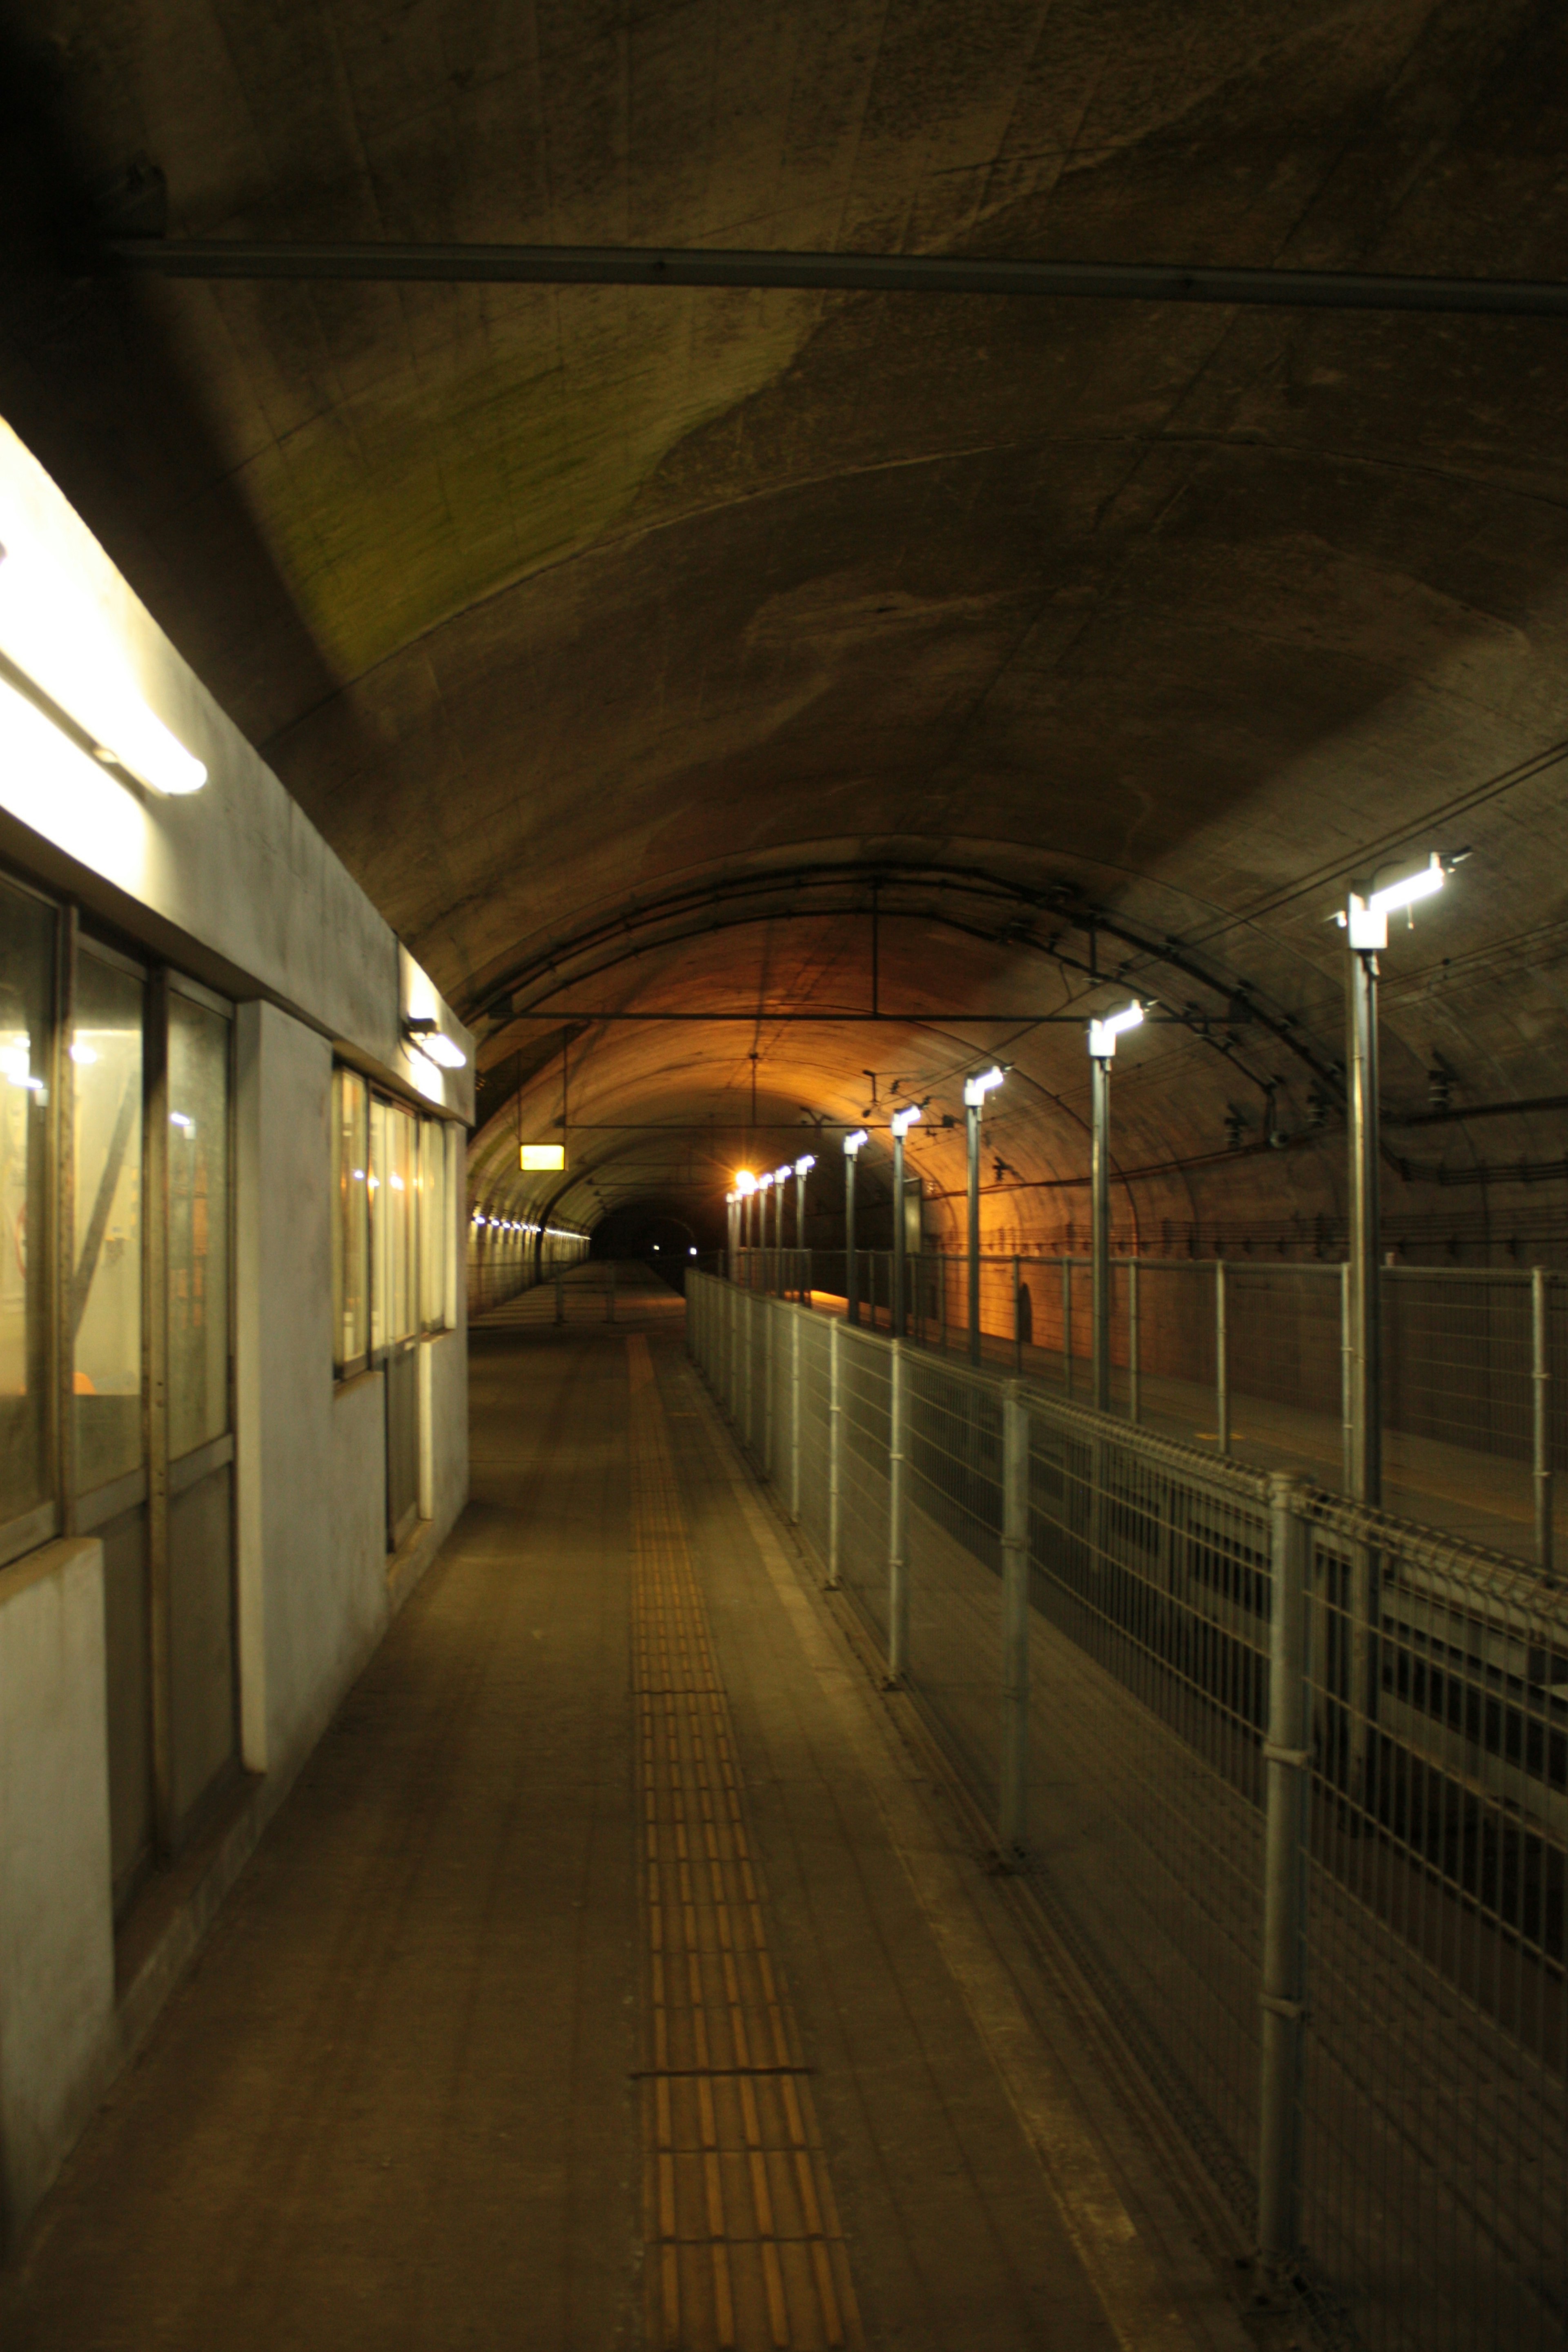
x: 236, y: 887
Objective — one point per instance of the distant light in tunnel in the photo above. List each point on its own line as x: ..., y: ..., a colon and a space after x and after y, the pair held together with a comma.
x: 692, y: 1250
x: 976, y: 1089
x: 745, y: 1182
x: 1104, y: 1035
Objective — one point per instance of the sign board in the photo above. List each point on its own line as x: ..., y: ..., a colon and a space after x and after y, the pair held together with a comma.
x: 536, y: 1156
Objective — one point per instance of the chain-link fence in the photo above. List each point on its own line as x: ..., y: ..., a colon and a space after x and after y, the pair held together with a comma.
x: 1289, y: 1776
x: 1250, y: 1358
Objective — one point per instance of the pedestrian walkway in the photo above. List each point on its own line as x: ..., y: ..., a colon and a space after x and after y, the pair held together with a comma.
x: 615, y: 1974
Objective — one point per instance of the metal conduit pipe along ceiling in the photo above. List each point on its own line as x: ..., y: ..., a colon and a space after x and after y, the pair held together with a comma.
x: 774, y: 697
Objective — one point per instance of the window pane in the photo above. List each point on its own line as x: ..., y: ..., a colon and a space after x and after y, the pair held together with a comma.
x: 435, y: 1202
x: 401, y: 1223
x: 198, y: 1225
x: 380, y: 1227
x: 351, y: 1237
x: 26, y: 993
x: 106, y: 1261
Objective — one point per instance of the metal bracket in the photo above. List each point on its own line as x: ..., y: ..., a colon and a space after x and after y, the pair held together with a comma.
x: 1300, y: 1758
x: 1296, y: 2012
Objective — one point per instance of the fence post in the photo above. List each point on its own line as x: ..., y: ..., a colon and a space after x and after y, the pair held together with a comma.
x: 898, y: 1521
x: 1346, y: 1378
x: 770, y: 1389
x: 1133, y: 1398
x: 835, y: 1421
x: 795, y: 1418
x: 1067, y: 1324
x: 1221, y: 1360
x: 1012, y: 1815
x: 1542, y: 1369
x: 1288, y: 1759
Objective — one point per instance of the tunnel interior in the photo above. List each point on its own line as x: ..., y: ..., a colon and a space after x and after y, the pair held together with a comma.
x: 758, y: 708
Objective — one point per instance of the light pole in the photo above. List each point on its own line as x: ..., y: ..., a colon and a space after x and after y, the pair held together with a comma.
x: 1103, y: 1037
x: 765, y: 1186
x: 746, y: 1191
x: 903, y: 1122
x: 852, y: 1144
x: 802, y: 1168
x: 781, y: 1179
x: 1365, y: 922
x: 975, y: 1091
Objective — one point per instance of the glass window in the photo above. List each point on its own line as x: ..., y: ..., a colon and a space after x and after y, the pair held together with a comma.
x: 435, y: 1223
x: 393, y: 1225
x: 198, y: 1225
x: 105, y: 1299
x: 26, y: 1011
x: 351, y: 1213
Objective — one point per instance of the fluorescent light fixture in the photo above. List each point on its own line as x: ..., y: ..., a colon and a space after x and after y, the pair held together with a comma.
x: 692, y: 1250
x: 59, y: 642
x: 764, y: 1183
x: 1423, y: 883
x: 904, y: 1119
x: 782, y: 1175
x: 803, y: 1167
x: 852, y: 1142
x: 976, y: 1089
x: 82, y: 1054
x: 188, y: 1127
x: 423, y: 1032
x: 533, y: 1158
x: 1104, y: 1035
x: 1366, y: 918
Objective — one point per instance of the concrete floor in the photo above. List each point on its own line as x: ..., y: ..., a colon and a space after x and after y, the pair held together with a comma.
x: 396, y: 2101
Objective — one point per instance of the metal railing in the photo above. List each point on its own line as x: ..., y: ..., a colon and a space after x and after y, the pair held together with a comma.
x: 1251, y: 1359
x: 1289, y: 1776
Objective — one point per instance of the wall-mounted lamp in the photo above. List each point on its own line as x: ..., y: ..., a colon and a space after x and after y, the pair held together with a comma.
x: 423, y: 1032
x: 57, y: 642
x: 1104, y: 1035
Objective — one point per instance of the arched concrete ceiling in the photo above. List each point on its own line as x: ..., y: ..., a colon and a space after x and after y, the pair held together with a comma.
x: 1105, y: 640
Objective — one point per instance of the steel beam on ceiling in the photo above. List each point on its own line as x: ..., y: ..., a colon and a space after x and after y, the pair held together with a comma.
x: 842, y: 273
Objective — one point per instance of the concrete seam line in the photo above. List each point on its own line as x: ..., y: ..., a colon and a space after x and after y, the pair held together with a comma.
x: 1115, y: 2258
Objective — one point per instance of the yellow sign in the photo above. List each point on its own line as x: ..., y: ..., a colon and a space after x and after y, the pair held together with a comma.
x: 541, y: 1155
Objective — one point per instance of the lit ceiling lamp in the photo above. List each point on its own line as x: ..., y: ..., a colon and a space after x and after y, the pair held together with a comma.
x: 423, y: 1032
x: 1104, y: 1035
x: 60, y: 646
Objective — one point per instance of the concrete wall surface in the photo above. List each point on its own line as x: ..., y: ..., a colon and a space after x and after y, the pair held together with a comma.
x: 57, y: 1928
x: 236, y: 869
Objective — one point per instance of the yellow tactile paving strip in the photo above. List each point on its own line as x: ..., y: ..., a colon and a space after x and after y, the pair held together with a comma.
x: 744, y: 2247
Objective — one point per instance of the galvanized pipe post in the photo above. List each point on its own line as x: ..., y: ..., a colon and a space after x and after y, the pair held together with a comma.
x: 1347, y: 1379
x: 1067, y: 1324
x: 897, y: 1519
x: 1100, y: 1231
x: 1365, y: 1233
x: 769, y: 1387
x: 835, y: 1443
x: 1012, y: 1814
x: 896, y: 1299
x: 1133, y: 1386
x: 795, y: 1418
x: 1017, y: 1317
x: 851, y: 1297
x: 1221, y: 1358
x: 1541, y: 1447
x: 749, y: 1343
x: 971, y: 1141
x: 1288, y: 1756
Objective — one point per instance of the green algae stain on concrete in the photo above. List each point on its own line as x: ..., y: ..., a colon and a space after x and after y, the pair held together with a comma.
x: 424, y: 494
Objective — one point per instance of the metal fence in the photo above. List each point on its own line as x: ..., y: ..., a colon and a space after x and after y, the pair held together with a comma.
x: 1250, y: 1358
x: 1291, y: 1776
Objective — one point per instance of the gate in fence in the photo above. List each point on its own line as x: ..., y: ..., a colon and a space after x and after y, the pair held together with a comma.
x: 1289, y: 1775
